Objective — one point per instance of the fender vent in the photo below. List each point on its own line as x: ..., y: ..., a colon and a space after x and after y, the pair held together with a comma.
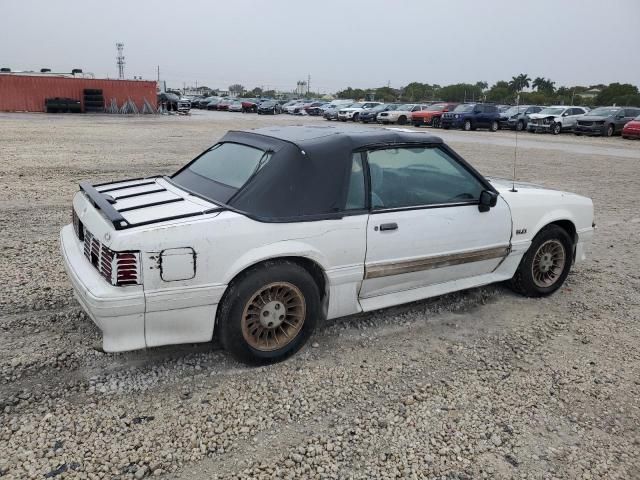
x: 118, y: 268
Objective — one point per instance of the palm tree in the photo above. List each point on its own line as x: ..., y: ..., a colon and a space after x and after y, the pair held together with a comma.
x: 519, y: 83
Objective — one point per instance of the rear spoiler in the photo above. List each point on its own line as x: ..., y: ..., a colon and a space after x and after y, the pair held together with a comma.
x: 104, y: 202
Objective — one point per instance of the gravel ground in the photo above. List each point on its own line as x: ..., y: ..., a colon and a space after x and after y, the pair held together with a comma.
x: 478, y: 384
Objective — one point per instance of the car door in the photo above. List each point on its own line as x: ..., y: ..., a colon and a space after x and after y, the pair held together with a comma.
x: 629, y: 114
x: 479, y: 116
x: 572, y: 119
x: 425, y: 226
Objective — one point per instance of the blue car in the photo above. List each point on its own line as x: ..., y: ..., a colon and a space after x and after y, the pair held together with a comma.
x: 470, y: 116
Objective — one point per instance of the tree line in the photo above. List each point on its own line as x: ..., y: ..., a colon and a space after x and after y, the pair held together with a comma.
x: 537, y: 91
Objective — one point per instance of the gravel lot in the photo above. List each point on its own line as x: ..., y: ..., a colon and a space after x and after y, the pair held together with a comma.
x: 480, y: 384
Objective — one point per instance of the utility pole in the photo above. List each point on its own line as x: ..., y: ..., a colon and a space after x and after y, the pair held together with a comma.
x: 158, y: 73
x: 308, y: 83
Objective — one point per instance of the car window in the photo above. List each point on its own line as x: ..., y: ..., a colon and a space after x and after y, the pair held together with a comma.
x: 356, y: 195
x: 490, y: 109
x: 631, y: 112
x: 230, y: 164
x: 418, y: 176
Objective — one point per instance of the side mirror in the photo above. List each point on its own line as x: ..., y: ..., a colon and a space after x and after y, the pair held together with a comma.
x: 487, y: 200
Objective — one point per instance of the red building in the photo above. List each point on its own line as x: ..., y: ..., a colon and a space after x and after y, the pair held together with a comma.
x: 27, y: 92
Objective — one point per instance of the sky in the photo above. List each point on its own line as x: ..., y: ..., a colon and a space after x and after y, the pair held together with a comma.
x: 339, y: 43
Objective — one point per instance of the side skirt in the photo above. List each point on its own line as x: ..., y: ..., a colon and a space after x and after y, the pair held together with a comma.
x: 421, y: 293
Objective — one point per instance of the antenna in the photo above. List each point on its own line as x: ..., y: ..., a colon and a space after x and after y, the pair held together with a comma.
x: 515, y: 151
x: 120, y: 60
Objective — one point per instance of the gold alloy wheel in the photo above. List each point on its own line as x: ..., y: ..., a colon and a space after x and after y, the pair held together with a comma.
x: 273, y: 316
x: 548, y: 263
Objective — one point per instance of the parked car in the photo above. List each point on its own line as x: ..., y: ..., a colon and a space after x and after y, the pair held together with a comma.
x: 605, y: 121
x: 249, y: 105
x: 352, y: 112
x: 204, y: 103
x: 235, y: 106
x: 432, y: 114
x: 273, y: 230
x: 331, y: 111
x: 184, y: 105
x: 293, y: 106
x: 224, y: 103
x: 316, y: 108
x: 632, y: 129
x: 213, y: 104
x: 370, y: 115
x: 269, y: 107
x: 195, y: 102
x: 517, y: 118
x: 555, y: 119
x: 401, y: 114
x: 470, y: 116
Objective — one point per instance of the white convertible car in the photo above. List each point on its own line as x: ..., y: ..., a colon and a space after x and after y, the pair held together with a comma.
x: 272, y: 230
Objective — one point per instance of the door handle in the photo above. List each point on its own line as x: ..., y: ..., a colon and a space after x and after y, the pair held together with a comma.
x: 385, y: 227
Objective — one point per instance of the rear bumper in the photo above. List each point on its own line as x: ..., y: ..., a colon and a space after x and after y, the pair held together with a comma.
x: 117, y: 311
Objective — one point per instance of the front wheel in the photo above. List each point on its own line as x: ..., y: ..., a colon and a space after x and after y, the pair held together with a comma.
x: 467, y: 125
x: 355, y: 117
x: 610, y: 130
x: 435, y: 122
x: 520, y: 126
x: 556, y: 129
x: 269, y: 313
x: 402, y: 120
x: 545, y: 266
x: 494, y: 126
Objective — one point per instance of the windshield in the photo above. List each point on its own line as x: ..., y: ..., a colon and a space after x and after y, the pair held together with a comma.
x: 551, y: 111
x: 379, y: 108
x: 405, y: 107
x: 603, y: 112
x: 438, y: 107
x: 464, y: 108
x: 220, y: 171
x: 514, y: 110
x: 355, y: 105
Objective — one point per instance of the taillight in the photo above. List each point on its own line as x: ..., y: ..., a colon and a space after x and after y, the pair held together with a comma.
x: 125, y: 269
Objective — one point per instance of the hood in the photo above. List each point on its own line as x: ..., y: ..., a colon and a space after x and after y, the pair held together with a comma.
x: 540, y: 115
x: 593, y: 118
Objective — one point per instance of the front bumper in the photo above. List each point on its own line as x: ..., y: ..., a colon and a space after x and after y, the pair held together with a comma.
x: 628, y: 132
x: 345, y: 116
x: 452, y: 122
x: 539, y: 127
x: 583, y: 246
x: 387, y: 119
x: 589, y: 129
x: 117, y: 311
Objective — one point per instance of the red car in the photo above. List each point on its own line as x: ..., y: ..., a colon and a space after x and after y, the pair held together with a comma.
x: 431, y: 116
x: 224, y: 103
x: 632, y: 128
x: 249, y: 105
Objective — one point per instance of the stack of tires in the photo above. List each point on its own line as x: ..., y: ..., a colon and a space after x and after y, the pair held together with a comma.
x: 62, y: 105
x: 93, y: 100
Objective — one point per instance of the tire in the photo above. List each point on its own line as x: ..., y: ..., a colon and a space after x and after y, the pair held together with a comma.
x: 494, y: 126
x: 625, y: 137
x: 520, y: 126
x: 467, y: 126
x: 355, y: 117
x: 610, y: 130
x: 402, y: 120
x: 416, y: 124
x: 245, y: 295
x: 530, y: 279
x: 435, y: 122
x: 342, y: 119
x: 556, y: 129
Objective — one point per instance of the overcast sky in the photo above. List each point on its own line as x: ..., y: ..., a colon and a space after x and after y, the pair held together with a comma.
x: 340, y: 43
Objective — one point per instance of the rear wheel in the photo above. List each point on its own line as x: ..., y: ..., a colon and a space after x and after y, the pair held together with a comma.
x: 269, y: 313
x: 545, y: 266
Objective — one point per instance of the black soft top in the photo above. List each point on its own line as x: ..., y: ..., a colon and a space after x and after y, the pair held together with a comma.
x: 307, y: 177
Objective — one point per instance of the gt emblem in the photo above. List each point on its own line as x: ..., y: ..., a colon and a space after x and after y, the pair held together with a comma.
x: 521, y: 231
